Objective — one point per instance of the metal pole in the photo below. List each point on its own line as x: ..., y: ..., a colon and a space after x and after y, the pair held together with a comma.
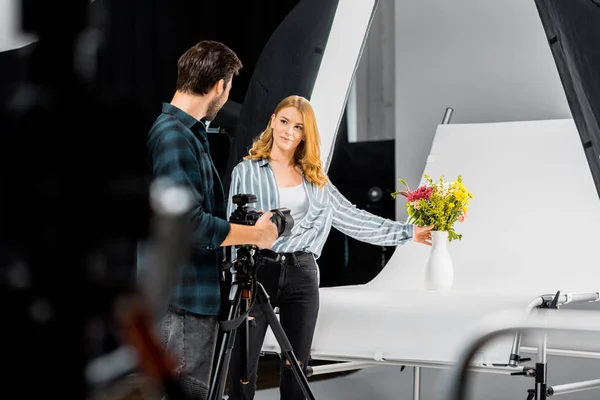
x: 447, y: 116
x: 582, y: 297
x: 515, y: 357
x: 338, y: 367
x: 573, y: 387
x: 417, y: 383
x: 564, y: 353
x: 541, y: 370
x: 542, y: 350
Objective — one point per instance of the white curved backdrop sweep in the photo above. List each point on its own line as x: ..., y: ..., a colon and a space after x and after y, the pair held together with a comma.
x: 532, y: 226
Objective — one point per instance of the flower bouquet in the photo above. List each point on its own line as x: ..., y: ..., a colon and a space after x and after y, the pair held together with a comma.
x: 440, y: 204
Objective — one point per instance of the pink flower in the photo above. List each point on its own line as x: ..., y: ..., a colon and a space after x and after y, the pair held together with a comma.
x: 423, y: 192
x: 462, y: 217
x: 414, y: 204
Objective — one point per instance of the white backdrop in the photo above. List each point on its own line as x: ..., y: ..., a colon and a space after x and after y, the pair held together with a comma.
x: 489, y: 60
x: 533, y: 224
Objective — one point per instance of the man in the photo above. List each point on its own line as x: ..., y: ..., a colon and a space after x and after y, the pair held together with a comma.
x: 178, y: 149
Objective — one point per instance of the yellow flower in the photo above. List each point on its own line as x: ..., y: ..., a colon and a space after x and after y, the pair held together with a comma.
x: 460, y: 195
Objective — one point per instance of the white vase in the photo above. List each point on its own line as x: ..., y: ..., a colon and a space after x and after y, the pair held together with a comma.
x: 439, y: 270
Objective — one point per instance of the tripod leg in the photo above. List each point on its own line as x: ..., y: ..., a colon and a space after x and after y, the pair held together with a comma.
x: 225, y: 341
x: 262, y: 299
x: 245, y: 342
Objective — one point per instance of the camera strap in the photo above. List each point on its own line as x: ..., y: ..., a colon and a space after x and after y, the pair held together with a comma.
x: 232, y: 324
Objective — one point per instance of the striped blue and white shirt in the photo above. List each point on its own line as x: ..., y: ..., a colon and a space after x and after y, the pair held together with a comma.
x: 327, y: 207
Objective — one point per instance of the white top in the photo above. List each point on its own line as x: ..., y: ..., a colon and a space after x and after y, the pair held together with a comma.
x: 294, y: 198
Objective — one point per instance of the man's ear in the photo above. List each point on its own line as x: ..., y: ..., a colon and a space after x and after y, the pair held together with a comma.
x: 220, y: 87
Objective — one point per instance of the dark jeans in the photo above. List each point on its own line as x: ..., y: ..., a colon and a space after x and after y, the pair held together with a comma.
x: 292, y: 285
x: 192, y: 339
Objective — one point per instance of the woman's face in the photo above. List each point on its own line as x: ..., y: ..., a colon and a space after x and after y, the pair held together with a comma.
x: 288, y: 129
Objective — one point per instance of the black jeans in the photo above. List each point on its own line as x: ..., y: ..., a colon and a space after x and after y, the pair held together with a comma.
x: 292, y: 285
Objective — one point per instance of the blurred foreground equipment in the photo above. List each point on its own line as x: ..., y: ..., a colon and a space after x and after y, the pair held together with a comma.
x: 75, y: 202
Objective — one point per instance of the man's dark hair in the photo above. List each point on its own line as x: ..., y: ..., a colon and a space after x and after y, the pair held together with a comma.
x: 203, y: 65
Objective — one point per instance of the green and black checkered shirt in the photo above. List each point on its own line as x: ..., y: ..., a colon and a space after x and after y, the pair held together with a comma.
x: 178, y: 149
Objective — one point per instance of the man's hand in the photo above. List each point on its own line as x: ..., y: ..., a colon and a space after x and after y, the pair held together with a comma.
x: 267, y: 231
x: 422, y: 234
x: 262, y: 235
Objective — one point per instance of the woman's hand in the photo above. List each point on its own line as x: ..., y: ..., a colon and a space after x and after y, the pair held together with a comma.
x: 422, y: 234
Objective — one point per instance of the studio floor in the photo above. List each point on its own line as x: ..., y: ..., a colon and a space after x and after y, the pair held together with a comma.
x: 389, y: 383
x: 139, y: 388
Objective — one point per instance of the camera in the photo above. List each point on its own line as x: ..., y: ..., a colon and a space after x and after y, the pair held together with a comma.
x: 247, y: 215
x: 247, y: 257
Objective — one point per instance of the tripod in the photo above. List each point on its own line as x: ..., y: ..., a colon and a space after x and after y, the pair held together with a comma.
x: 246, y: 290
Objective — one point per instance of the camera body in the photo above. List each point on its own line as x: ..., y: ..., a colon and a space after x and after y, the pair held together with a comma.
x: 247, y: 215
x: 248, y: 256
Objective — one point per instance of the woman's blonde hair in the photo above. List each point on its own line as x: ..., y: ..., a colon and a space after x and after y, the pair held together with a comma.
x: 308, y: 152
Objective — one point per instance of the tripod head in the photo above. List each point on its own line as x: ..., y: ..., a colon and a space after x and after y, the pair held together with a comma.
x: 243, y: 269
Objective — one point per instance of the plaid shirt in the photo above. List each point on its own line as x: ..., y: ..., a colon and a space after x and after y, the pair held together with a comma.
x: 178, y: 148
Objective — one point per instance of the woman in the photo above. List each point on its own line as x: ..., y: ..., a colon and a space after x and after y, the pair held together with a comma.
x: 283, y: 169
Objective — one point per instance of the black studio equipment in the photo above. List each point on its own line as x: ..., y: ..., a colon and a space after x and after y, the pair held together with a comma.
x: 572, y: 30
x: 76, y: 199
x: 304, y: 30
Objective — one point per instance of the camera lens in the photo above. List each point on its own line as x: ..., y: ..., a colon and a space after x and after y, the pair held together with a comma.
x: 282, y: 218
x: 237, y: 215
